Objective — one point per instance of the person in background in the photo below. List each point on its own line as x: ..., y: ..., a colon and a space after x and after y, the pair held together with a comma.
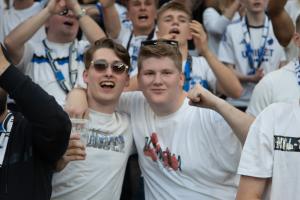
x: 250, y: 48
x: 56, y: 63
x: 31, y: 141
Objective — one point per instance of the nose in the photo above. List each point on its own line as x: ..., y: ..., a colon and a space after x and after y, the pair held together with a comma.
x: 108, y: 72
x: 143, y: 6
x: 157, y: 79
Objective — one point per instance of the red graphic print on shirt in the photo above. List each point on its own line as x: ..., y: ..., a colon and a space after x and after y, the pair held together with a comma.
x: 153, y: 150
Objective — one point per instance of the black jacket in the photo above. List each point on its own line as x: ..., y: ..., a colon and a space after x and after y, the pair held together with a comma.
x: 38, y: 138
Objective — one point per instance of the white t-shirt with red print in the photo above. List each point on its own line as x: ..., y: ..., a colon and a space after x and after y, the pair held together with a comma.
x: 190, y: 154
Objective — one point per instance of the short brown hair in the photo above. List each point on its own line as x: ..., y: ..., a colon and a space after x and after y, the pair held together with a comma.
x: 173, y: 5
x: 160, y: 50
x: 108, y: 43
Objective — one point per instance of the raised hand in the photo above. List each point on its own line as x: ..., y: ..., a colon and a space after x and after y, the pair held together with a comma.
x: 259, y: 74
x: 199, y: 37
x: 201, y: 97
x: 56, y: 6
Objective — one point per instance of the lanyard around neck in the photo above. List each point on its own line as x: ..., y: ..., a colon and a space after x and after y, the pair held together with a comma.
x: 149, y: 37
x: 249, y: 49
x: 187, y: 72
x: 72, y: 66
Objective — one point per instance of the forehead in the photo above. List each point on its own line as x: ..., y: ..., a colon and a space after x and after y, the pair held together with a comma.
x: 130, y: 2
x: 106, y: 54
x: 158, y: 64
x: 173, y: 13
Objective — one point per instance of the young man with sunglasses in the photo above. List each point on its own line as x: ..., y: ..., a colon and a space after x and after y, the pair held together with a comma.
x: 109, y: 138
x: 54, y: 62
x: 184, y: 152
x: 31, y: 142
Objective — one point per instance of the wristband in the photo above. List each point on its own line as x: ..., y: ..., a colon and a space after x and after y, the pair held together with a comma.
x: 81, y: 14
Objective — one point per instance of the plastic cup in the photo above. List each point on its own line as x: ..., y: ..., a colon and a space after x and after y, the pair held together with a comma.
x: 79, y: 127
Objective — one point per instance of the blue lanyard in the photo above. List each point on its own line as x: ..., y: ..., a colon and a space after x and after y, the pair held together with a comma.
x: 249, y: 49
x: 187, y: 72
x: 297, y: 69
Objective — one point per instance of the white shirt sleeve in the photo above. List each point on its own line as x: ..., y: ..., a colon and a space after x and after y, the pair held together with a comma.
x: 261, y: 97
x: 214, y: 22
x: 226, y: 50
x: 257, y: 155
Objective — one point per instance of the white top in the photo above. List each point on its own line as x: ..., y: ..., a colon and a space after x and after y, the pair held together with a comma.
x: 101, y: 174
x: 201, y: 72
x: 12, y: 18
x: 133, y: 46
x: 203, y: 151
x: 272, y: 150
x: 35, y: 64
x: 232, y: 51
x: 215, y: 24
x: 278, y: 86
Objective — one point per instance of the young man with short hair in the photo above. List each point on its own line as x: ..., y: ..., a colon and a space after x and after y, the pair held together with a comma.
x: 109, y: 136
x: 142, y: 14
x: 174, y: 22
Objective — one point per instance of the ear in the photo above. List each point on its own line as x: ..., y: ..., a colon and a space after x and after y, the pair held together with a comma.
x: 296, y: 39
x: 85, y: 76
x: 181, y: 80
x: 127, y: 80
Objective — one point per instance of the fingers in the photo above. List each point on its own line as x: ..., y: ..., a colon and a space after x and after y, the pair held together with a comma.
x: 195, y: 94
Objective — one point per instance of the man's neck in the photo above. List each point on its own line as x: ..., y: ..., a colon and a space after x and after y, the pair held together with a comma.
x: 107, y: 108
x: 255, y: 19
x: 184, y: 51
x: 22, y: 4
x: 61, y: 40
x: 141, y: 32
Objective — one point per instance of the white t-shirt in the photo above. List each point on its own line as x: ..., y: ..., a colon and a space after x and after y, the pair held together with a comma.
x: 278, y: 86
x: 197, y: 153
x: 215, y: 24
x: 201, y: 73
x: 35, y: 64
x: 101, y: 174
x: 232, y: 51
x: 12, y: 18
x: 133, y: 44
x: 272, y: 150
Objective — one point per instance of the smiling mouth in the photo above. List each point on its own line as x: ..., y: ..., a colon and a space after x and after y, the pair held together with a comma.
x: 143, y: 17
x: 107, y: 84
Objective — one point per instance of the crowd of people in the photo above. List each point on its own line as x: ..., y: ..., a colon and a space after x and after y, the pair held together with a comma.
x: 176, y: 95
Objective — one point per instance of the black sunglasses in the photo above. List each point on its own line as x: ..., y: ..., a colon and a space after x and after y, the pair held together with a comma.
x: 117, y: 67
x: 156, y: 42
x: 64, y: 12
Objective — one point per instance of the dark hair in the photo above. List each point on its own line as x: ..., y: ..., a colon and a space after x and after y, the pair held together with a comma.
x: 3, y: 100
x: 160, y: 49
x: 173, y: 5
x: 118, y: 49
x: 298, y: 24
